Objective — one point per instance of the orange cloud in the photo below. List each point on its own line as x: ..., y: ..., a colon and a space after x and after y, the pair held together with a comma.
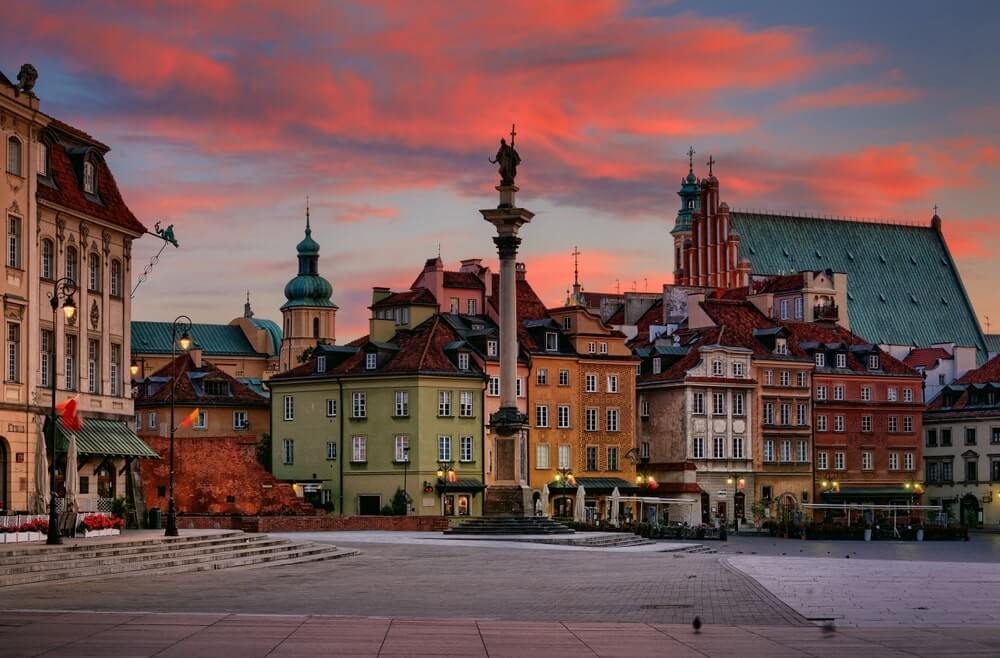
x: 851, y: 95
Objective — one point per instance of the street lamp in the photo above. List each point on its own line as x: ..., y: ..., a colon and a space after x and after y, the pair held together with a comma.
x: 138, y: 366
x: 739, y: 483
x: 565, y: 475
x: 181, y: 325
x: 446, y: 473
x: 62, y: 290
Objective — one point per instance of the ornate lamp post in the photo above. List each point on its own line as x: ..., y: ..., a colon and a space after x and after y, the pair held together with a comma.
x: 182, y: 324
x: 564, y: 476
x: 138, y: 366
x: 63, y: 290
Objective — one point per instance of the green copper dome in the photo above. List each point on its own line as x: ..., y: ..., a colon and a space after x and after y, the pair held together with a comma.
x: 308, y: 288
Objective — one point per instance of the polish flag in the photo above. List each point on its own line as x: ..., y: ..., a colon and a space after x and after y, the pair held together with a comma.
x: 68, y: 411
x: 190, y: 418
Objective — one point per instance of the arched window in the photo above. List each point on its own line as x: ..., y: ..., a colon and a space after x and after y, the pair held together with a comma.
x: 71, y: 264
x: 89, y: 177
x: 14, y: 155
x: 315, y: 327
x: 48, y: 264
x: 94, y: 272
x: 116, y: 278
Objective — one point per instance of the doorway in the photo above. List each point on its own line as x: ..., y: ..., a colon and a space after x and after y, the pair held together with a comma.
x: 369, y: 505
x: 706, y: 508
x: 969, y: 510
x: 739, y: 505
x: 505, y: 459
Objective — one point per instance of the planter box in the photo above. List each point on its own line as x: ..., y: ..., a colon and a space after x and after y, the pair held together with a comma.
x: 107, y: 532
x: 36, y: 536
x: 21, y: 536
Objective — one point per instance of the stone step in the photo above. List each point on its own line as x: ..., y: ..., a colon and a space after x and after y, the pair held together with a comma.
x: 8, y: 551
x: 531, y: 525
x: 57, y: 555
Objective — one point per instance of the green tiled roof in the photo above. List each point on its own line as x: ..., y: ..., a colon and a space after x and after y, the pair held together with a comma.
x: 106, y: 437
x: 273, y: 330
x: 902, y: 284
x: 213, y: 339
x: 993, y: 343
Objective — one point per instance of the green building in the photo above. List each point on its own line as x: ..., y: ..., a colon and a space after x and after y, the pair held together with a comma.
x: 355, y: 423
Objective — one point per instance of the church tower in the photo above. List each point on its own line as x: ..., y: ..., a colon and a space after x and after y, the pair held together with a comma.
x: 309, y: 316
x: 690, y: 194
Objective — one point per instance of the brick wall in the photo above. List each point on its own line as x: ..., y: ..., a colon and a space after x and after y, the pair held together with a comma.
x: 319, y: 523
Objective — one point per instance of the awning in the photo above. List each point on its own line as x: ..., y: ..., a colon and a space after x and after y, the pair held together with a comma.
x: 108, y: 438
x: 594, y: 486
x: 461, y: 485
x: 881, y: 492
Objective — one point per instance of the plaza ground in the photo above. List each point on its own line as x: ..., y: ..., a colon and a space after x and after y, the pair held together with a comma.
x: 412, y: 593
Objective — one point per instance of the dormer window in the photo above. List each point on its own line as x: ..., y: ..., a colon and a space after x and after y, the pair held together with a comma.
x: 657, y: 365
x: 551, y: 341
x: 820, y: 359
x: 463, y: 360
x: 604, y: 348
x: 89, y: 177
x: 320, y: 364
x: 371, y: 360
x: 717, y: 369
x: 567, y: 322
x: 873, y: 362
x: 738, y: 369
x: 781, y: 346
x: 491, y: 348
x: 841, y: 360
x: 220, y: 388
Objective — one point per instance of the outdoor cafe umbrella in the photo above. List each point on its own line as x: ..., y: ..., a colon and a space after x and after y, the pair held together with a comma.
x: 41, y: 475
x: 579, y: 510
x: 72, y: 477
x: 544, y: 500
x: 614, y: 507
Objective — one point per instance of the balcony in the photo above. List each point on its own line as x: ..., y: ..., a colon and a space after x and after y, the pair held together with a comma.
x: 826, y: 312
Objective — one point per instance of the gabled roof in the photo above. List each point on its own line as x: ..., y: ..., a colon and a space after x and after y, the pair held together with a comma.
x: 463, y: 280
x: 421, y: 296
x: 213, y: 339
x: 987, y: 373
x: 903, y: 286
x: 926, y: 357
x: 155, y: 390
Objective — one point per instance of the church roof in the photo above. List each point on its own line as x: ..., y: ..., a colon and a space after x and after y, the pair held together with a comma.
x: 213, y: 339
x: 903, y: 286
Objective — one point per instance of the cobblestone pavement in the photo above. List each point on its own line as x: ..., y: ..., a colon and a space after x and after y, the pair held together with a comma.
x: 982, y: 547
x: 441, y: 580
x: 860, y: 592
x: 218, y: 635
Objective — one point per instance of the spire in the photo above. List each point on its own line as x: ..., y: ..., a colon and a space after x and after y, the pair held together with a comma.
x: 576, y: 298
x: 691, y: 153
x: 711, y: 163
x: 247, y: 311
x: 308, y: 227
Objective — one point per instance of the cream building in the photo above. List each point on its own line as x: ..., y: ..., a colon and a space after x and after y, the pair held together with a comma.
x: 64, y: 217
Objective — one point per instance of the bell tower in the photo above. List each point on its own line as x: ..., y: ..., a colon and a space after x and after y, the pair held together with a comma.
x: 690, y: 194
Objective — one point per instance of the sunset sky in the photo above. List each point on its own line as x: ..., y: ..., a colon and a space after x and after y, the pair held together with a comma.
x: 224, y: 116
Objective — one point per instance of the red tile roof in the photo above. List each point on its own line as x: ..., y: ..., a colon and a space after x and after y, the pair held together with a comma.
x: 463, y: 280
x: 415, y: 296
x: 926, y: 357
x: 529, y: 307
x: 987, y: 373
x: 781, y: 283
x: 186, y: 393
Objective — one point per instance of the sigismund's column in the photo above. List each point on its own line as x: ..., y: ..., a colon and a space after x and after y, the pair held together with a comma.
x: 508, y: 220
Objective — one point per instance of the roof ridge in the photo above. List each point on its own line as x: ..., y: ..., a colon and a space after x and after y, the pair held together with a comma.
x: 882, y: 221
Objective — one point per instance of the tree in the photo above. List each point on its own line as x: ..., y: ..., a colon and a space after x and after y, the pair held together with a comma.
x: 400, y: 502
x: 308, y: 352
x: 264, y: 455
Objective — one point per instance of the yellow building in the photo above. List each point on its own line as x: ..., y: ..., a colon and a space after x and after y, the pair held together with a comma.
x: 64, y: 218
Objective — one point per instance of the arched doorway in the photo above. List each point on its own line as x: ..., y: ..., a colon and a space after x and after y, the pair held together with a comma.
x: 969, y: 510
x: 4, y: 476
x: 562, y: 506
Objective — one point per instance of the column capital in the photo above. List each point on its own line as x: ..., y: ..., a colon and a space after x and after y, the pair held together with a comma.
x: 507, y: 246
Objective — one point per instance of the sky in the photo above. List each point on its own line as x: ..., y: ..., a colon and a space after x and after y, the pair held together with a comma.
x: 223, y: 117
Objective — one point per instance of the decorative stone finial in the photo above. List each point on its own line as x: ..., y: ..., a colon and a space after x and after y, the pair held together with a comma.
x: 26, y: 79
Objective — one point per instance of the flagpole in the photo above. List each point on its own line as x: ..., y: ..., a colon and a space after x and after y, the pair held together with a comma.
x: 183, y: 323
x: 63, y: 289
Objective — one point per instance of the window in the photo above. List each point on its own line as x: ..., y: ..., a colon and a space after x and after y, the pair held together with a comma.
x: 907, y: 395
x: 542, y: 456
x: 542, y: 376
x: 941, y: 379
x: 946, y: 472
x: 873, y: 363
x: 738, y: 447
x: 591, y: 454
x: 717, y: 369
x: 781, y: 346
x: 359, y: 449
x: 567, y: 322
x: 604, y: 348
x: 116, y: 278
x: 563, y: 416
x: 838, y: 423
x: 493, y: 387
x: 798, y: 308
x: 13, y: 241
x: 612, y: 458
x: 591, y: 348
x: 591, y: 419
x: 138, y: 422
x: 551, y: 341
x: 643, y: 408
x: 994, y: 435
x: 719, y: 447
x: 320, y: 364
x: 718, y: 404
x: 908, y: 424
x: 866, y: 460
x: 800, y: 414
x: 893, y: 461
x: 13, y: 352
x: 331, y: 407
x: 151, y: 418
x: 820, y: 423
x: 444, y: 403
x: 491, y: 348
x: 786, y: 451
x: 822, y: 462
x: 970, y: 436
x: 240, y: 420
x: 784, y: 309
x: 202, y: 421
x: 42, y: 159
x: 803, y: 454
x: 331, y: 450
x: 838, y: 392
x: 47, y: 259
x: 932, y: 438
x: 70, y: 369
x: 563, y: 377
x: 94, y: 272
x: 821, y: 392
x: 738, y: 399
x: 542, y: 415
x: 465, y: 404
x: 820, y: 359
x: 907, y: 461
x: 402, y: 404
x: 465, y: 449
x: 785, y: 379
x: 802, y: 379
x: 838, y: 461
x: 315, y: 324
x: 45, y: 357
x: 769, y: 413
x: 463, y: 360
x: 866, y: 393
x: 371, y: 360
x: 769, y: 450
x: 891, y: 394
x: 841, y: 360
x: 453, y: 305
x: 738, y: 369
x: 471, y: 306
x: 698, y: 448
x: 657, y: 365
x: 565, y: 456
x: 14, y: 156
x: 520, y: 387
x: 71, y: 264
x: 612, y: 420
x: 644, y: 449
x: 612, y: 383
x: 288, y: 450
x: 359, y: 404
x: 591, y: 386
x: 89, y: 177
x: 866, y: 423
x: 289, y: 403
x: 698, y: 403
x: 945, y: 438
x: 995, y: 470
x: 402, y: 454
x: 768, y: 377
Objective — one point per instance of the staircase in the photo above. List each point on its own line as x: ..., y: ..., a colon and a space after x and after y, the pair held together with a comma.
x: 509, y: 525
x: 92, y: 559
x: 503, y: 501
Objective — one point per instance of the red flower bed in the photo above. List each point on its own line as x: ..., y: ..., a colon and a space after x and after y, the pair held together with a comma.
x: 101, y: 522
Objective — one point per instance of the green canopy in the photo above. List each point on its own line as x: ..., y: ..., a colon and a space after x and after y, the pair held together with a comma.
x: 110, y: 438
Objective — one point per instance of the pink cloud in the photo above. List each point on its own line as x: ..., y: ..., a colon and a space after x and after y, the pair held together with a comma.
x: 851, y: 95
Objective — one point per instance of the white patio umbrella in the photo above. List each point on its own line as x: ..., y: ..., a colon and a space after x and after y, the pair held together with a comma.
x: 72, y: 477
x: 41, y: 496
x: 544, y: 500
x: 579, y: 510
x: 614, y: 506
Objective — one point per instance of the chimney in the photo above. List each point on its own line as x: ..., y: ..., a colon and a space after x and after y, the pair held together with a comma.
x: 471, y: 265
x: 195, y: 354
x: 521, y: 271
